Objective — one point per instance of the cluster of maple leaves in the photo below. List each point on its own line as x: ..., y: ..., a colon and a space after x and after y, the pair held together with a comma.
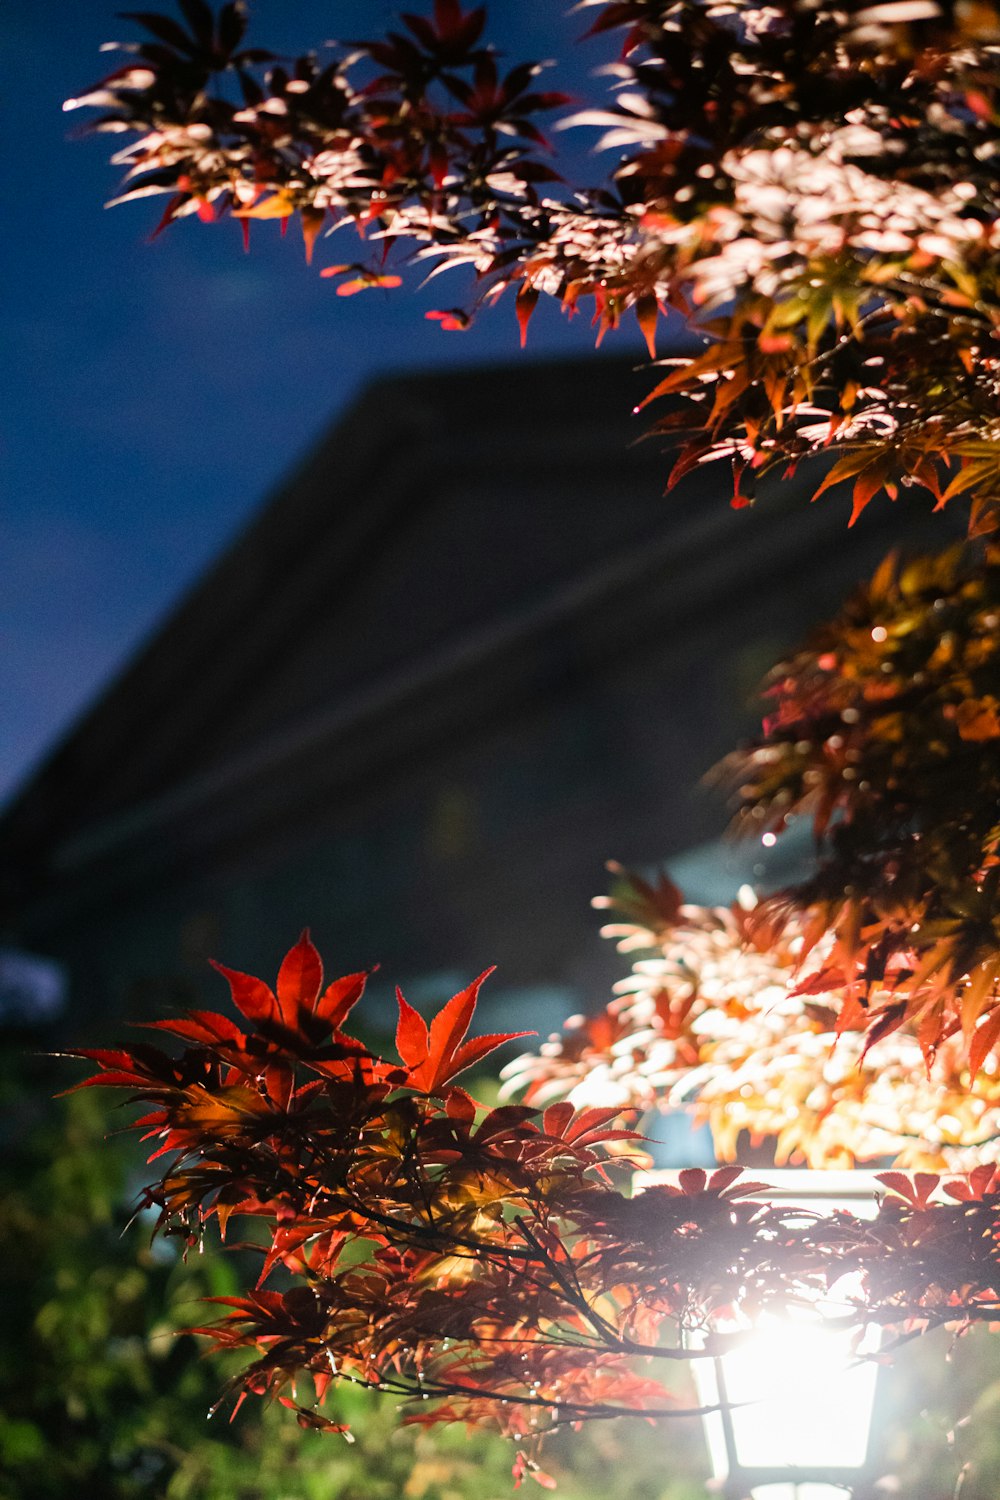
x: 885, y: 730
x: 814, y: 186
x: 430, y: 142
x: 724, y: 1016
x: 481, y: 1264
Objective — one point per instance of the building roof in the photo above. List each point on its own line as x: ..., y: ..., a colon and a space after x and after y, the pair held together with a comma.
x: 291, y: 639
x: 459, y: 546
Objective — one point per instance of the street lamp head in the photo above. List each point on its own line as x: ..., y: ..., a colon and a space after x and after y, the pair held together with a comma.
x: 792, y: 1393
x: 795, y: 1402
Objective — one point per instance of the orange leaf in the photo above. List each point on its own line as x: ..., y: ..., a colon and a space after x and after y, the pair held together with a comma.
x: 557, y: 1117
x: 460, y: 1106
x: 845, y: 468
x: 366, y: 282
x: 449, y: 1026
x: 984, y: 1039
x: 868, y: 483
x: 977, y: 995
x: 977, y: 719
x: 200, y: 1026
x: 524, y: 306
x: 312, y: 222
x: 917, y: 1192
x: 452, y: 319
x: 884, y: 1025
x: 646, y: 313
x: 340, y: 996
x: 299, y: 980
x: 445, y: 1051
x: 252, y: 997
x: 411, y: 1034
x: 278, y: 206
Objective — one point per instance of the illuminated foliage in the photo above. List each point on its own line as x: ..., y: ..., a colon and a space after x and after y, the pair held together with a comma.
x: 814, y: 187
x: 712, y: 1020
x: 481, y: 1265
x: 856, y: 1015
x: 885, y: 730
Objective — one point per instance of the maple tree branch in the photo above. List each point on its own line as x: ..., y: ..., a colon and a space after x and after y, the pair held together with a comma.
x: 571, y: 1411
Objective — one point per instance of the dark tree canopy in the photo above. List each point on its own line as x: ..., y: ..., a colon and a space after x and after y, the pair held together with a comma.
x: 813, y: 186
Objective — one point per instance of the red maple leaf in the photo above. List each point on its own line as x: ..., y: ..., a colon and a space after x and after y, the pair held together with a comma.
x: 435, y: 1056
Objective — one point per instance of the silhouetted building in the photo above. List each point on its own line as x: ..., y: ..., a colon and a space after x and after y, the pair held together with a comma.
x: 465, y: 655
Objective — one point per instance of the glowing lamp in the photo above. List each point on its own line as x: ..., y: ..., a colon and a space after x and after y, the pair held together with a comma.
x: 794, y: 1393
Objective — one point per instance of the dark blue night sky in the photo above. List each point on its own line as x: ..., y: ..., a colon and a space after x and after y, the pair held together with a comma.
x: 156, y: 393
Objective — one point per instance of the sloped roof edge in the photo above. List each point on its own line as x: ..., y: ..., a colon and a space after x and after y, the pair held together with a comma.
x: 354, y: 459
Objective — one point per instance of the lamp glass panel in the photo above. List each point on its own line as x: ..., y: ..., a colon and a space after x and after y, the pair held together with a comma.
x: 799, y: 1390
x: 799, y: 1396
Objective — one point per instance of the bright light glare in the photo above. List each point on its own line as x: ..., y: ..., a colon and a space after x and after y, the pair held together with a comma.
x: 808, y: 1399
x: 799, y: 1390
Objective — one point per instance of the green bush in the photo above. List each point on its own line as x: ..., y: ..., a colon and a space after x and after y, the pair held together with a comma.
x: 102, y: 1395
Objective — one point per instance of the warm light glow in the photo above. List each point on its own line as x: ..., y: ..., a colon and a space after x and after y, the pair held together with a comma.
x: 800, y: 1396
x: 798, y: 1388
x: 711, y: 1024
